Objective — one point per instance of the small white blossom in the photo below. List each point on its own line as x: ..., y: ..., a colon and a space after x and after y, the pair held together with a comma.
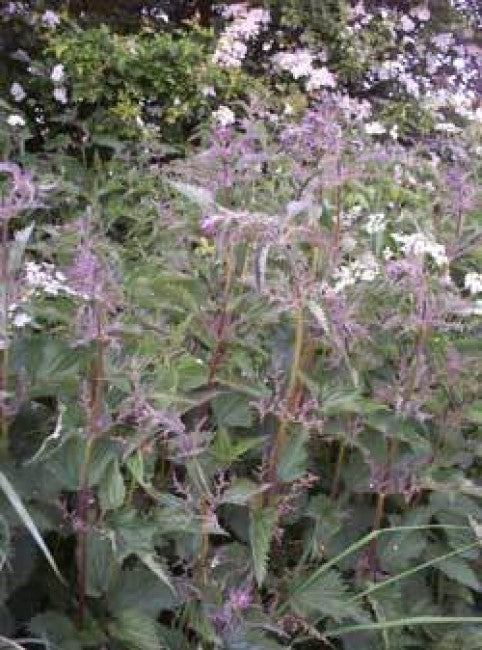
x: 473, y: 282
x: 419, y: 245
x: 21, y: 319
x: 446, y: 127
x: 17, y: 92
x: 298, y: 63
x: 15, y: 120
x: 421, y: 13
x: 407, y: 24
x: 224, y: 116
x: 375, y: 224
x: 320, y: 78
x: 60, y: 95
x: 57, y: 73
x: 375, y: 128
x: 364, y: 269
x: 50, y: 18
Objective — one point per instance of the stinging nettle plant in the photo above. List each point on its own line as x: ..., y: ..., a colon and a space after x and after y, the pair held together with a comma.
x: 240, y: 392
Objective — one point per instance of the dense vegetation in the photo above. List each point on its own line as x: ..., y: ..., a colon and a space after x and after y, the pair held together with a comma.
x: 241, y: 291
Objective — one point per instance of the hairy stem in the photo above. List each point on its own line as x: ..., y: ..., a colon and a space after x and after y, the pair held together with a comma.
x: 83, y: 496
x: 4, y: 364
x: 291, y: 395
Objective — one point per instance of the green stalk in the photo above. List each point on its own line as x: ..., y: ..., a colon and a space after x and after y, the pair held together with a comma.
x: 403, y: 622
x: 5, y: 360
x: 281, y: 433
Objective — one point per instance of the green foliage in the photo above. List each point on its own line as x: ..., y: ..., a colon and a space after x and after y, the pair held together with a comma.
x: 231, y: 414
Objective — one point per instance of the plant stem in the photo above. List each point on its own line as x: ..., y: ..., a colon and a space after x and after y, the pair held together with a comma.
x: 338, y: 466
x: 94, y: 429
x: 4, y: 364
x: 291, y: 395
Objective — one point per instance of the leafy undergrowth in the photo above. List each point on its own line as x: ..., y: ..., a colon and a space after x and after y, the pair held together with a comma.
x: 240, y: 391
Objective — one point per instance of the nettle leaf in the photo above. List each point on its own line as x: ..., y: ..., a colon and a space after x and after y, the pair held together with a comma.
x: 140, y: 589
x: 133, y: 534
x: 191, y: 373
x: 261, y: 528
x: 473, y: 413
x: 457, y: 569
x: 201, y: 196
x: 240, y: 492
x: 226, y: 451
x: 326, y: 596
x: 17, y: 248
x: 135, y: 630
x: 294, y: 458
x: 66, y: 463
x: 57, y: 630
x: 112, y: 490
x: 100, y: 563
x: 233, y: 410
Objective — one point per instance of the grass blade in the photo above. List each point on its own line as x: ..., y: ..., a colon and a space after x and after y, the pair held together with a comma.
x: 403, y: 622
x: 28, y: 522
x: 409, y: 572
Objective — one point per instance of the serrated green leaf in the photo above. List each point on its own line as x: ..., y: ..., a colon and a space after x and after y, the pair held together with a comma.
x: 261, y: 529
x: 457, y: 569
x: 241, y: 491
x: 135, y: 630
x: 233, y: 410
x: 112, y: 490
x: 202, y: 197
x: 100, y: 564
x: 293, y: 460
x: 139, y: 588
x: 326, y: 596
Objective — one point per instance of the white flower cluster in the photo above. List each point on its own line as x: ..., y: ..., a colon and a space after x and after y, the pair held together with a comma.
x: 363, y: 269
x: 224, y: 116
x: 246, y: 25
x: 44, y: 278
x: 17, y: 92
x: 375, y: 224
x: 299, y: 64
x: 57, y: 75
x: 50, y: 19
x: 15, y: 120
x: 473, y: 282
x: 419, y: 245
x: 38, y: 279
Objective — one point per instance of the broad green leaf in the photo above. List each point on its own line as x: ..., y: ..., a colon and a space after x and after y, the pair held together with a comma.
x: 28, y: 522
x: 326, y: 596
x: 111, y: 488
x: 139, y: 588
x: 100, y: 563
x: 261, y: 529
x: 457, y: 569
x: 58, y: 630
x: 473, y: 413
x: 233, y: 410
x: 153, y: 564
x: 241, y: 491
x: 135, y: 630
x: 293, y: 460
x: 202, y: 197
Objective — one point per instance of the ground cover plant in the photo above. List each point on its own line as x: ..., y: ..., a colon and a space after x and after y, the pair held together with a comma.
x: 241, y: 299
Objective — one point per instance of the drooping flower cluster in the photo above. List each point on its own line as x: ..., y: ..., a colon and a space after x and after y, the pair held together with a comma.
x: 246, y: 25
